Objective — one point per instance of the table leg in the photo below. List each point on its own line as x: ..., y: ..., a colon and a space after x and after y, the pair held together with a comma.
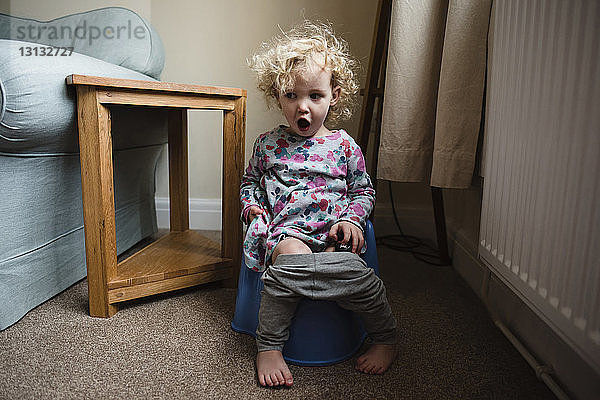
x: 178, y: 170
x: 234, y: 128
x: 95, y: 144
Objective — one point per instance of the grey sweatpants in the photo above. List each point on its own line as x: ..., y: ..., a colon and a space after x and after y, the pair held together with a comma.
x: 338, y: 276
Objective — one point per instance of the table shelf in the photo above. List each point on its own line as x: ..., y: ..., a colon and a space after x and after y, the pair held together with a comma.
x: 188, y: 256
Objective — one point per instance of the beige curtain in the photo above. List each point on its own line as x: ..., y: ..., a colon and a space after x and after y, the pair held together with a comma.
x: 433, y: 91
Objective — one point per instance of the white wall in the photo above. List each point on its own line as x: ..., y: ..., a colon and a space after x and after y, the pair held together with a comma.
x: 5, y: 6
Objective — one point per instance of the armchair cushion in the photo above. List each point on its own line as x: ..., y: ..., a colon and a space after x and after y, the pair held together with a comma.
x: 37, y: 109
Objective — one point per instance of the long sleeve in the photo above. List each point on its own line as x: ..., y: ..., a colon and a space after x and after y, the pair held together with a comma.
x: 360, y: 189
x: 251, y: 191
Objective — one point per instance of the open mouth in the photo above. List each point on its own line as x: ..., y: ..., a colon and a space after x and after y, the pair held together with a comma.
x: 303, y: 124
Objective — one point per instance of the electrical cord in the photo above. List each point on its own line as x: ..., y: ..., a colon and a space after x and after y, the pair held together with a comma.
x: 420, y: 249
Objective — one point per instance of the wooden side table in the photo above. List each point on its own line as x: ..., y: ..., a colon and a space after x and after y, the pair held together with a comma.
x: 183, y: 257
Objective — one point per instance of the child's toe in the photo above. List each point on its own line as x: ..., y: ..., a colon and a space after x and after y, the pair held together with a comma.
x: 289, y: 380
x: 268, y: 381
x: 275, y: 378
x: 279, y: 378
x: 370, y: 368
x: 361, y: 363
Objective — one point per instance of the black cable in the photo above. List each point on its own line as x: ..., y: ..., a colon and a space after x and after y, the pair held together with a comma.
x: 419, y: 249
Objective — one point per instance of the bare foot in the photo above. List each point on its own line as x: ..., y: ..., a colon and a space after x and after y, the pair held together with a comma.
x: 272, y: 369
x: 377, y: 359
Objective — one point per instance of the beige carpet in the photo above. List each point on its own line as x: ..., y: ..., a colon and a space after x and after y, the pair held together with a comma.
x: 181, y: 346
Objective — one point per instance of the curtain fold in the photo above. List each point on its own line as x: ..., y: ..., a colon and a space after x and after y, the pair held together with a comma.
x: 434, y: 91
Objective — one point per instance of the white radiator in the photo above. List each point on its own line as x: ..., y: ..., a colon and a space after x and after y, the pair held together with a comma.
x: 540, y: 222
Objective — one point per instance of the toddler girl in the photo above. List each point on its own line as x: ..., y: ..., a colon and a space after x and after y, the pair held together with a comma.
x: 305, y: 189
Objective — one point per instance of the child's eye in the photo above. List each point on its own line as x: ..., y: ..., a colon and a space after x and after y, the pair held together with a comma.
x: 290, y: 95
x: 316, y: 96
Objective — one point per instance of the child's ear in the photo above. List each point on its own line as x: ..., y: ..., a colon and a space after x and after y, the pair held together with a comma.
x: 336, y: 91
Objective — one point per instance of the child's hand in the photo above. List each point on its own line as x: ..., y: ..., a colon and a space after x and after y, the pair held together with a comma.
x: 254, y: 212
x: 350, y: 232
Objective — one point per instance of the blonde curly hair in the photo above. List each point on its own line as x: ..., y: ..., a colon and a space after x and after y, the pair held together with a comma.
x: 280, y: 61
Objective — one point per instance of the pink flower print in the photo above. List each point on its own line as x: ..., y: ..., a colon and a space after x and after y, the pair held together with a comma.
x: 269, y: 147
x: 330, y: 156
x: 335, y: 171
x: 317, y: 225
x: 320, y: 140
x: 323, y: 204
x: 320, y: 181
x: 360, y: 164
x: 276, y: 232
x: 346, y: 146
x: 334, y: 136
x: 316, y: 157
x: 282, y: 143
x: 299, y: 158
x: 278, y: 207
x: 357, y: 208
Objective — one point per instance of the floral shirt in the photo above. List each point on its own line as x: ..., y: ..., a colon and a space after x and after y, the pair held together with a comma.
x: 304, y: 185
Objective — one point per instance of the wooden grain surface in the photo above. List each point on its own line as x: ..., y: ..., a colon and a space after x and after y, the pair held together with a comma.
x: 234, y: 130
x: 95, y: 144
x: 154, y: 85
x: 163, y: 99
x: 178, y: 170
x: 175, y: 254
x: 147, y: 289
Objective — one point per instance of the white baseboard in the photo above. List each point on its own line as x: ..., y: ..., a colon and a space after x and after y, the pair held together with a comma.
x: 205, y: 214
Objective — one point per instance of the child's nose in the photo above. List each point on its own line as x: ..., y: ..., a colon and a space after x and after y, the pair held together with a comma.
x: 303, y: 106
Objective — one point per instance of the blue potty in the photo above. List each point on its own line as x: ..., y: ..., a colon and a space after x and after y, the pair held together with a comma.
x: 322, y: 333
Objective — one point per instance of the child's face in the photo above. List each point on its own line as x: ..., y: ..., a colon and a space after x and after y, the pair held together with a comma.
x: 305, y: 107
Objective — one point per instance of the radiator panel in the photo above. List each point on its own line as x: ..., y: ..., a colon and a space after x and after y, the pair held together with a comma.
x: 540, y: 222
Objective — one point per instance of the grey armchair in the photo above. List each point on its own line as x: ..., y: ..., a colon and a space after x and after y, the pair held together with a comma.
x: 42, y: 248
